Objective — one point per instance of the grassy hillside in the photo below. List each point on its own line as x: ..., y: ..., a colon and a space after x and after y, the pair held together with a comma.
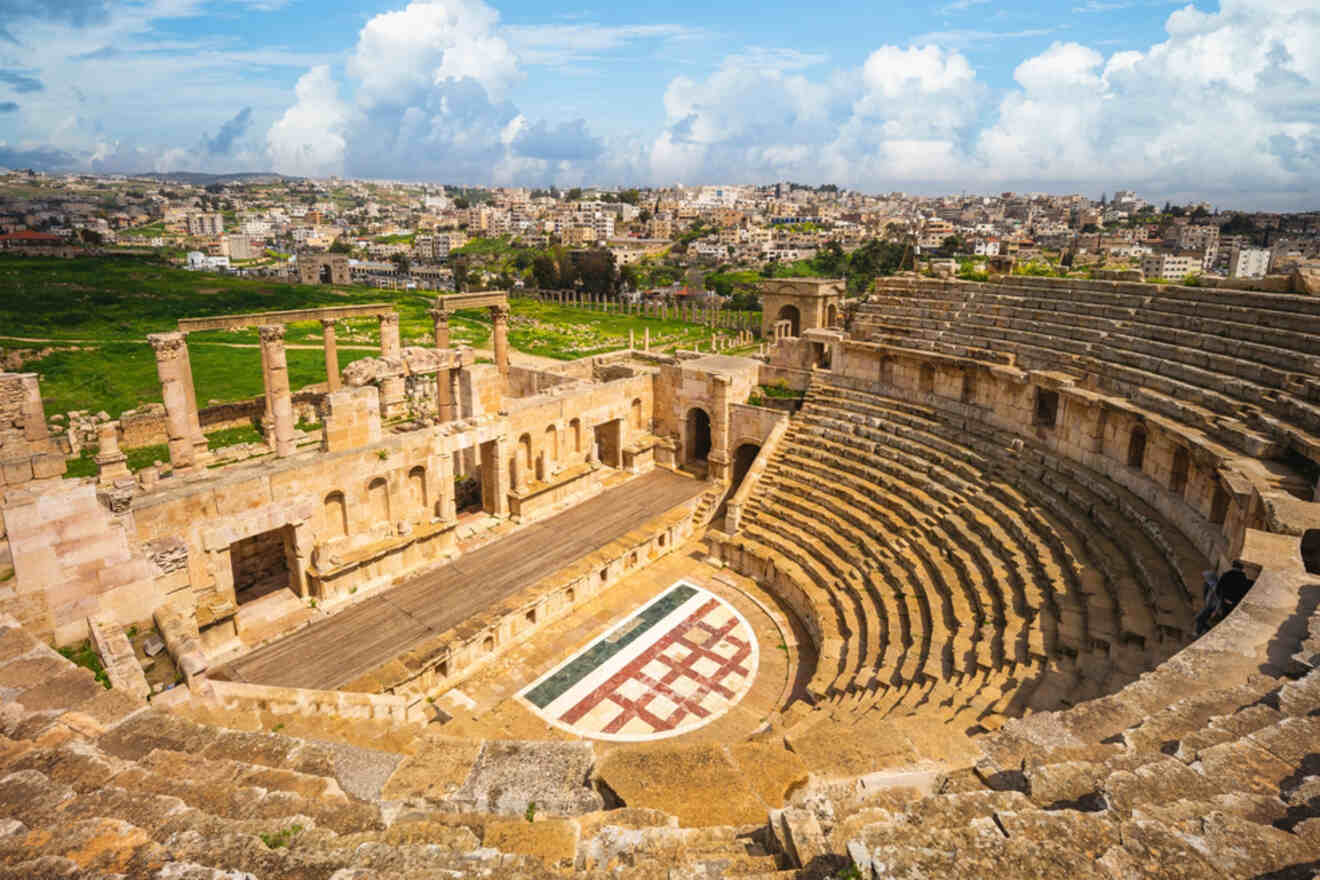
x: 101, y: 310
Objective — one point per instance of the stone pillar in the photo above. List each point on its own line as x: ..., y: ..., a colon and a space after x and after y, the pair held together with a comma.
x: 500, y: 317
x: 169, y: 367
x: 646, y: 339
x: 389, y: 335
x: 440, y: 327
x: 445, y: 399
x: 201, y: 453
x: 632, y: 339
x: 277, y: 386
x: 331, y: 354
x: 112, y: 462
x: 446, y: 507
x: 519, y: 472
x: 719, y: 429
x: 393, y: 402
x: 267, y: 420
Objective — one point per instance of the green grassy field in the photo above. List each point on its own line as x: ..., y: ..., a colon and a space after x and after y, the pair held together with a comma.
x: 104, y: 308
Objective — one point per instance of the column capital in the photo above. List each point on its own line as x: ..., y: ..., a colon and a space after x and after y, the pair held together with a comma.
x: 389, y: 318
x: 440, y: 316
x: 499, y: 313
x: 167, y: 346
x: 271, y: 333
x: 328, y: 323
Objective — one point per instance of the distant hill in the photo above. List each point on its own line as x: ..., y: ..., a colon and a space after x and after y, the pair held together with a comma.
x: 198, y: 179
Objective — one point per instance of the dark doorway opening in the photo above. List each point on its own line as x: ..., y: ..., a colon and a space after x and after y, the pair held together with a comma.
x: 791, y: 314
x: 743, y: 458
x: 698, y: 435
x: 260, y: 564
x: 609, y: 442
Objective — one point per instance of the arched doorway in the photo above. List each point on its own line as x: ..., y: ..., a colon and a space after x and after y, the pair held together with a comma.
x: 324, y: 274
x: 697, y: 435
x: 742, y: 460
x: 791, y: 314
x: 831, y: 315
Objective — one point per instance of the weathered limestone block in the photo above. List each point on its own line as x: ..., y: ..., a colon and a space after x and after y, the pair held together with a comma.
x: 179, y: 629
x: 509, y: 775
x: 799, y: 835
x: 121, y: 664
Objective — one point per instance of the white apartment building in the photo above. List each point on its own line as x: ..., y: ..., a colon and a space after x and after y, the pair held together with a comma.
x: 1248, y: 262
x: 1173, y: 267
x: 206, y: 224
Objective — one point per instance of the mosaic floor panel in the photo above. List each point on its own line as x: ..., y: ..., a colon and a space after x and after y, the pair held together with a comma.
x: 681, y: 661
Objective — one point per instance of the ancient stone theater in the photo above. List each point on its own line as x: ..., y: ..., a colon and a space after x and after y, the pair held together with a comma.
x: 916, y: 591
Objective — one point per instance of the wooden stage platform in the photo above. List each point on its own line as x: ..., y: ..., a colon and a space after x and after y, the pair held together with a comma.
x: 336, y: 650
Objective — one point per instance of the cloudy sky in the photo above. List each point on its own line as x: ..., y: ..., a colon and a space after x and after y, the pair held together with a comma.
x: 1220, y: 102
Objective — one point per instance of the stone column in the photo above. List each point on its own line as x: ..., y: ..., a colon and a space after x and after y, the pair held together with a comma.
x: 632, y: 339
x: 389, y: 335
x: 331, y: 353
x: 646, y: 339
x: 446, y: 507
x: 277, y: 386
x: 519, y: 472
x: 719, y: 429
x: 202, y: 452
x: 111, y: 461
x: 267, y: 420
x: 169, y: 367
x: 392, y: 399
x: 444, y: 401
x: 440, y: 327
x: 500, y: 317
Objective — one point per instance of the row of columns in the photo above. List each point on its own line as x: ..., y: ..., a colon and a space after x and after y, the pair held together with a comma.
x: 710, y: 316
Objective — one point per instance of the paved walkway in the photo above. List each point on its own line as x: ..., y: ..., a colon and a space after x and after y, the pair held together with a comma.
x: 348, y: 644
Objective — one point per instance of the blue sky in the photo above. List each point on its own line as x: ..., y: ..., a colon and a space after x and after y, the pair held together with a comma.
x: 1178, y: 101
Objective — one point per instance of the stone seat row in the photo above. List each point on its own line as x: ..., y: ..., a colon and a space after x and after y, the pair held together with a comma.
x: 948, y: 445
x: 1206, y: 767
x: 1243, y: 377
x: 892, y: 629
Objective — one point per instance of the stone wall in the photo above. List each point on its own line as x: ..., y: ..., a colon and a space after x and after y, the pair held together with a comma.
x: 27, y: 451
x: 145, y: 426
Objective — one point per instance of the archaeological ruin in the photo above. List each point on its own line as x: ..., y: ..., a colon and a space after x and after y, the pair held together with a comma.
x: 906, y: 588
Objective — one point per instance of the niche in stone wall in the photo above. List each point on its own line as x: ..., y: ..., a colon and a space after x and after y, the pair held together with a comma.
x: 1047, y: 408
x: 1182, y: 463
x: 1136, y: 453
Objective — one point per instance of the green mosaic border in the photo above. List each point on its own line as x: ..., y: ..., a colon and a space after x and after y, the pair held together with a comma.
x: 606, y: 646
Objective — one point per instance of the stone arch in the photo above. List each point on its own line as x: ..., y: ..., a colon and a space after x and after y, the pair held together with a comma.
x: 1136, y: 451
x: 831, y: 314
x: 525, y: 453
x: 417, y: 488
x: 697, y: 435
x: 335, y: 515
x: 378, y: 500
x: 743, y: 457
x: 1182, y: 463
x: 575, y: 431
x: 551, y: 443
x: 635, y: 414
x: 791, y: 314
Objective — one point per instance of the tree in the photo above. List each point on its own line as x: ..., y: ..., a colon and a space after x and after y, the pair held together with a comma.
x: 401, y: 262
x: 1200, y: 211
x: 340, y: 246
x: 629, y: 278
x: 460, y: 268
x: 644, y: 215
x: 462, y: 204
x: 574, y: 194
x: 952, y: 245
x: 831, y: 261
x: 630, y: 196
x: 545, y: 272
x: 596, y: 268
x: 1090, y: 229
